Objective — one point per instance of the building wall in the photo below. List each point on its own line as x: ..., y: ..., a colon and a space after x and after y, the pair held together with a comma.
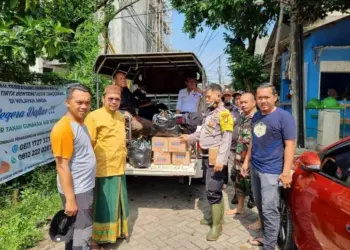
x: 127, y: 32
x: 337, y: 34
x: 134, y: 31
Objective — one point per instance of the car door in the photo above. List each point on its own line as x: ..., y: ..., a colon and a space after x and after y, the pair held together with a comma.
x: 330, y: 207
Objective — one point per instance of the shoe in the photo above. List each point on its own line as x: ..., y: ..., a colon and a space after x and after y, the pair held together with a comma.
x: 251, y: 204
x: 217, y: 213
x: 234, y: 200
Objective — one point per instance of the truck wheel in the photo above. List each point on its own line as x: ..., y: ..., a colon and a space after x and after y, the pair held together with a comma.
x: 285, y: 235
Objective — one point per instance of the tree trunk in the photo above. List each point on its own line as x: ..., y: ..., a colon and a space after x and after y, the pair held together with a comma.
x: 278, y: 38
x: 106, y: 40
x: 294, y: 61
x: 247, y: 85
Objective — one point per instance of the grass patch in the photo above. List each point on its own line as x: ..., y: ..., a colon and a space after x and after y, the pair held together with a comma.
x: 21, y: 223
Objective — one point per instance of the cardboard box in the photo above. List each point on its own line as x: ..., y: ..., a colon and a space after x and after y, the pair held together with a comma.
x: 213, y: 154
x: 181, y: 158
x: 175, y: 145
x: 161, y: 158
x: 160, y: 144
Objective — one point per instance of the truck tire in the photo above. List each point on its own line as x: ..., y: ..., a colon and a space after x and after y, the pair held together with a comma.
x: 285, y: 235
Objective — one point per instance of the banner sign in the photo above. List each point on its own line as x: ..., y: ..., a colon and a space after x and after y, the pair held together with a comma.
x: 27, y: 115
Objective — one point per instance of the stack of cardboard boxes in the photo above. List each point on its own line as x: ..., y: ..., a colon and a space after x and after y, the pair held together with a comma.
x: 170, y: 150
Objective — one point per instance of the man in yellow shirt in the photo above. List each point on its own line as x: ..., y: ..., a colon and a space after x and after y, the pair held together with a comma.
x: 107, y: 131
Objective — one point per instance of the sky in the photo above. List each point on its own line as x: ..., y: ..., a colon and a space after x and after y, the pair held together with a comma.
x: 208, y: 53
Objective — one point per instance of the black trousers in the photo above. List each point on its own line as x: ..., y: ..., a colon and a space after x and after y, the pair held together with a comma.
x: 150, y: 111
x: 214, y: 182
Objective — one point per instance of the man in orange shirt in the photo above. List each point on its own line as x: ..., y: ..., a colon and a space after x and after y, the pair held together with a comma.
x: 76, y: 166
x: 107, y: 130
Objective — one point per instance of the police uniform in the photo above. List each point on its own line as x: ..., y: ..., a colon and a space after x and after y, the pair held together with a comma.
x: 215, y: 135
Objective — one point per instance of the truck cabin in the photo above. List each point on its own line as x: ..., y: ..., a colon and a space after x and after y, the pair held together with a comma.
x: 162, y: 74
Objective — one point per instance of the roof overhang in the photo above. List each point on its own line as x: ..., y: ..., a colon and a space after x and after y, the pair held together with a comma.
x: 132, y: 64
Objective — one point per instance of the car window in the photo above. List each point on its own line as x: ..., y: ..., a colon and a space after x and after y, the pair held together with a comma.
x: 336, y: 164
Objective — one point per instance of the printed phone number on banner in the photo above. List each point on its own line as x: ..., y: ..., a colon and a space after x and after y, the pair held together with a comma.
x: 34, y: 152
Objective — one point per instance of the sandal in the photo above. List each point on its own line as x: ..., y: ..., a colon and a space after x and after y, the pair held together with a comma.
x: 256, y: 241
x: 234, y: 212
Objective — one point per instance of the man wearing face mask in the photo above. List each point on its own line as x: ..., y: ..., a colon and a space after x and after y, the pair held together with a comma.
x: 228, y: 99
x: 214, y: 138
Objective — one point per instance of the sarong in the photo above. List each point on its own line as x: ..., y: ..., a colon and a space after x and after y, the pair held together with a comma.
x: 111, y: 209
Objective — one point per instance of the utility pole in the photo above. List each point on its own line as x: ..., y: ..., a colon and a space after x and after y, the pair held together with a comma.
x: 294, y: 61
x: 220, y: 70
x: 296, y: 53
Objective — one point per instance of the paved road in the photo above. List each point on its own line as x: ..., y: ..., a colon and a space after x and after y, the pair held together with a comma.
x: 165, y: 215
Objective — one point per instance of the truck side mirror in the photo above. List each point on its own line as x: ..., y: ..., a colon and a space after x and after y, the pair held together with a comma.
x: 310, y: 162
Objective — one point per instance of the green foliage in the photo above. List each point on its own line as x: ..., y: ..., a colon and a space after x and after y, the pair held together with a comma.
x: 312, y: 10
x: 46, y: 28
x: 245, y: 23
x: 87, y: 44
x: 39, y: 199
x: 25, y: 34
x: 247, y: 70
x: 12, y: 72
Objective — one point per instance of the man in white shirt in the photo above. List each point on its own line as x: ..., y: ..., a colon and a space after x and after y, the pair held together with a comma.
x: 189, y: 98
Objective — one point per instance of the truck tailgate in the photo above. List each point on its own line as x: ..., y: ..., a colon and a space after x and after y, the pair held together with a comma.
x: 164, y: 170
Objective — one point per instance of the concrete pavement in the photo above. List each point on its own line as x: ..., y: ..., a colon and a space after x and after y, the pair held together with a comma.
x: 165, y: 215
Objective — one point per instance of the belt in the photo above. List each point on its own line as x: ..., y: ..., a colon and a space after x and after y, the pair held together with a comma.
x: 205, y: 152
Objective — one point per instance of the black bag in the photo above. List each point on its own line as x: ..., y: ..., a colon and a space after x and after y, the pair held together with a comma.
x: 140, y: 153
x: 165, y: 124
x: 190, y: 121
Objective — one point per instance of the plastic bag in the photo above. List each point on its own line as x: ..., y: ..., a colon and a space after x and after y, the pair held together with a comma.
x: 165, y: 124
x: 190, y: 121
x: 140, y: 153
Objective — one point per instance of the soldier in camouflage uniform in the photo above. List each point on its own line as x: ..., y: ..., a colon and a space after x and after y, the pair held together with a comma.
x: 241, y: 184
x: 214, y: 138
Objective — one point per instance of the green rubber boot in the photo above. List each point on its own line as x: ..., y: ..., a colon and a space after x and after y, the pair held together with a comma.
x: 217, y: 213
x: 207, y: 221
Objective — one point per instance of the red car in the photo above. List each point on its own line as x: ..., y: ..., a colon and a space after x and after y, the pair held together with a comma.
x: 315, y: 212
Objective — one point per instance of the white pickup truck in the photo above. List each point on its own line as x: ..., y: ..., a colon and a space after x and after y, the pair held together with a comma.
x: 164, y: 75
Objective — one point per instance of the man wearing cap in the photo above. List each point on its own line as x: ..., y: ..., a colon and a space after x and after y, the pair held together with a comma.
x: 130, y: 105
x: 228, y: 99
x: 189, y: 98
x: 76, y: 166
x: 107, y: 131
x: 214, y: 138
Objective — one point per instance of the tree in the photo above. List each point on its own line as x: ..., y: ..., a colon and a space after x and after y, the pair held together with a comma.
x: 245, y: 22
x: 311, y: 10
x: 46, y: 28
x: 26, y: 34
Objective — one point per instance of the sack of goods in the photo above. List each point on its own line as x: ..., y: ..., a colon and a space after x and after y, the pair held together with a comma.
x: 140, y: 153
x: 190, y: 121
x: 165, y: 124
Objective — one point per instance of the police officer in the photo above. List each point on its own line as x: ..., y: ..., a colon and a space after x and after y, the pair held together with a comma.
x: 214, y: 138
